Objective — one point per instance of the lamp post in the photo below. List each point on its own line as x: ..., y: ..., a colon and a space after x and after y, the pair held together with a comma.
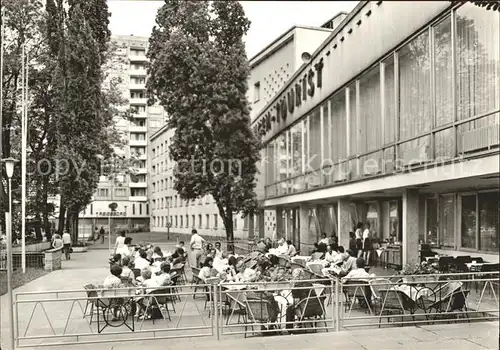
x: 9, y: 169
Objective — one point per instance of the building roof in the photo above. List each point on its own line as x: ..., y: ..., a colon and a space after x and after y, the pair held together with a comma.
x: 159, y: 132
x: 334, y: 17
x: 255, y: 59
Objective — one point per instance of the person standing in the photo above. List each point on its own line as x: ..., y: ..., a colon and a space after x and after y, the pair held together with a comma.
x: 367, y: 244
x: 359, y: 239
x: 196, y: 245
x: 66, y: 238
x: 120, y: 241
x: 102, y: 233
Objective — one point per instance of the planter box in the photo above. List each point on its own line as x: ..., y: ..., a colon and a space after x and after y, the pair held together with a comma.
x: 35, y: 247
x: 80, y: 249
x: 53, y: 259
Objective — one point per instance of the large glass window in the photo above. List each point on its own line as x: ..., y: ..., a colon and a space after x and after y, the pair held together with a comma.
x: 489, y: 212
x: 431, y: 221
x: 282, y: 157
x: 296, y: 149
x: 314, y: 157
x: 390, y: 98
x: 270, y: 162
x: 447, y: 221
x: 478, y: 61
x: 338, y: 129
x: 353, y: 132
x: 370, y: 123
x: 443, y: 72
x: 415, y: 92
x: 469, y: 219
x: 327, y: 136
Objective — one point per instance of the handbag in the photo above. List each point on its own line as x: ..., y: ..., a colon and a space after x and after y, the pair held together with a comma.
x: 71, y: 250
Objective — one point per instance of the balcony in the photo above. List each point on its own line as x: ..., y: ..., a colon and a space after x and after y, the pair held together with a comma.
x: 143, y: 156
x: 138, y: 101
x: 138, y: 185
x: 138, y: 198
x: 134, y: 86
x: 140, y: 143
x: 137, y: 128
x: 138, y: 73
x: 141, y: 171
x: 137, y: 57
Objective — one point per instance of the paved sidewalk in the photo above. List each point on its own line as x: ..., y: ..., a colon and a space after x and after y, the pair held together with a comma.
x: 470, y: 336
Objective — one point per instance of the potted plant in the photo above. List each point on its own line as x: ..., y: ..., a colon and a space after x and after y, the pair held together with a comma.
x: 418, y: 273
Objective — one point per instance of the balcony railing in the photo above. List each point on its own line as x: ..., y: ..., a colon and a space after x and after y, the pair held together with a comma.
x: 442, y: 145
x: 138, y: 72
x: 137, y: 128
x: 133, y: 142
x: 140, y: 184
x: 138, y: 101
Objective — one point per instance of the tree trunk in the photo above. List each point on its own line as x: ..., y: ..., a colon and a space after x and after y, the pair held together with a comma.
x: 228, y: 224
x: 62, y: 215
x: 74, y: 231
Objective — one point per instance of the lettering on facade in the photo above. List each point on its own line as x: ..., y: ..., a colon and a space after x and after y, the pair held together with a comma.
x: 110, y: 213
x: 298, y: 93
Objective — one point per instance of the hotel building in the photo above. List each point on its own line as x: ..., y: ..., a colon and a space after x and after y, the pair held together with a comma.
x: 269, y: 71
x: 395, y: 122
x: 129, y: 191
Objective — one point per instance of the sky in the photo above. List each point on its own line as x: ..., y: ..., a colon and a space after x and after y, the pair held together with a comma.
x: 269, y: 19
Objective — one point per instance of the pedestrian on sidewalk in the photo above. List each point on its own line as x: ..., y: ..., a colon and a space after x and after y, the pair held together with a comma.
x: 101, y: 234
x: 66, y: 238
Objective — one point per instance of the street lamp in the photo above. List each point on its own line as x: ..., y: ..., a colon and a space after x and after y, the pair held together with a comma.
x: 9, y: 169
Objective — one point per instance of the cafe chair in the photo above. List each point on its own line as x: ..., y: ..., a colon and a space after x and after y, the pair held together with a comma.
x: 259, y: 311
x: 159, y: 299
x: 357, y: 290
x: 198, y: 282
x: 395, y: 303
x: 312, y: 309
x: 445, y: 263
x: 91, y: 293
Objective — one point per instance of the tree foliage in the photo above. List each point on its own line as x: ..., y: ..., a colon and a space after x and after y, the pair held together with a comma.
x: 198, y: 72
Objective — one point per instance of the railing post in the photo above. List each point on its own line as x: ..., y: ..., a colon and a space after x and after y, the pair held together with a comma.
x: 337, y: 303
x: 216, y: 311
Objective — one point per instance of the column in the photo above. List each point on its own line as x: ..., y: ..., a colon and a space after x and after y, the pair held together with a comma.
x: 280, y: 230
x: 306, y: 239
x: 260, y: 223
x: 410, y: 226
x: 251, y: 226
x: 344, y: 222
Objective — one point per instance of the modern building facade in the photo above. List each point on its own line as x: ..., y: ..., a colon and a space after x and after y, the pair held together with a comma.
x: 128, y: 189
x: 270, y: 69
x: 394, y: 121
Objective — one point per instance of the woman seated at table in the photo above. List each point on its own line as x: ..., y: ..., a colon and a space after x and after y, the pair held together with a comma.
x: 157, y: 253
x: 205, y: 254
x: 207, y: 271
x: 148, y: 285
x: 127, y: 273
x: 164, y: 278
x: 296, y: 309
x: 291, y: 249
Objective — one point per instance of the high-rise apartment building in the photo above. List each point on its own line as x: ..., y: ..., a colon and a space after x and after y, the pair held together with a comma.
x: 270, y: 70
x: 129, y: 190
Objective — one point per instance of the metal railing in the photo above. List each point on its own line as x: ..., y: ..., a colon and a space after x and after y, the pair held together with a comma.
x: 226, y: 310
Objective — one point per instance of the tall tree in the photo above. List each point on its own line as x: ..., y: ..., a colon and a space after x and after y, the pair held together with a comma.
x: 198, y: 72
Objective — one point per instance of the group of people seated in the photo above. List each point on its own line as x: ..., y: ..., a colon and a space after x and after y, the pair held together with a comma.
x: 285, y: 247
x: 155, y: 270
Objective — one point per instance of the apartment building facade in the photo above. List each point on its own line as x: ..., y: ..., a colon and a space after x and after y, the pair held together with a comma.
x: 394, y: 121
x: 129, y: 189
x: 269, y: 71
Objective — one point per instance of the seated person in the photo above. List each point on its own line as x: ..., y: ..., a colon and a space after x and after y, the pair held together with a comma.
x: 113, y: 280
x: 205, y: 254
x: 207, y: 271
x: 353, y: 244
x: 262, y: 247
x: 349, y: 264
x: 359, y: 272
x: 296, y: 309
x: 149, y: 252
x: 164, y: 278
x: 181, y: 245
x: 141, y: 262
x: 324, y: 240
x: 331, y: 253
x: 157, y: 253
x: 127, y: 273
x: 218, y: 251
x: 116, y: 259
x: 178, y: 257
x: 145, y: 281
x: 341, y: 256
x: 282, y: 247
x: 268, y: 243
x: 291, y: 249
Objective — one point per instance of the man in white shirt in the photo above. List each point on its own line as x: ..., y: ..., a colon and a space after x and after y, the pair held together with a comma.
x: 324, y: 240
x: 359, y: 273
x: 331, y: 254
x: 196, y: 245
x: 291, y: 249
x: 120, y: 241
x: 66, y: 238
